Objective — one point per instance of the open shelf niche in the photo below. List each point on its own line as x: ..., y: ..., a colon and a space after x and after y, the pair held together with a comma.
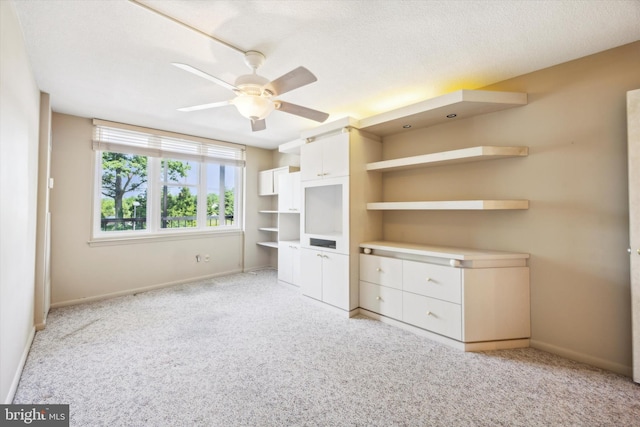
x: 453, y: 106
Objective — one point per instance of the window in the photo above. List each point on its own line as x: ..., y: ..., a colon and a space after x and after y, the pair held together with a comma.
x: 153, y: 182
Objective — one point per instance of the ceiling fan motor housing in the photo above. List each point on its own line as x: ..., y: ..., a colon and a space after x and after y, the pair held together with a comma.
x: 251, y: 84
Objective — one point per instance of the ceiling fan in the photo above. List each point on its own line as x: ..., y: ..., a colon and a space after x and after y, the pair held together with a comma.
x: 255, y: 95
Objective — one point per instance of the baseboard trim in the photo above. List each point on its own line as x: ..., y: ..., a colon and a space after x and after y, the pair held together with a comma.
x: 329, y: 307
x: 23, y: 360
x: 139, y: 290
x: 583, y: 358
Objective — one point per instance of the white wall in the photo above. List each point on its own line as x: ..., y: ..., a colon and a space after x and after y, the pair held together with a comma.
x: 81, y: 271
x: 19, y: 109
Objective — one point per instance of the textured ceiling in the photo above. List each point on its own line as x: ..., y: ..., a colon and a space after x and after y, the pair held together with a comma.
x: 110, y: 59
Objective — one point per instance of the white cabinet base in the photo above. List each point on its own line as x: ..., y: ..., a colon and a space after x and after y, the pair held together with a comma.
x: 443, y: 295
x: 464, y: 346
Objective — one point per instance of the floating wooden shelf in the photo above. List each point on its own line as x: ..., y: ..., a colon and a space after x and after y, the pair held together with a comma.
x: 271, y: 229
x: 269, y: 244
x: 463, y: 155
x: 451, y: 205
x: 460, y: 104
x: 268, y: 212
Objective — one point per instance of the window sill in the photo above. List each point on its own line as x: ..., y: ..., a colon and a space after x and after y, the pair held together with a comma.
x: 160, y: 237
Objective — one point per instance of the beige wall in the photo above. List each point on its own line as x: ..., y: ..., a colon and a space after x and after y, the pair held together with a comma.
x: 257, y: 256
x: 80, y: 271
x: 575, y: 177
x: 20, y: 109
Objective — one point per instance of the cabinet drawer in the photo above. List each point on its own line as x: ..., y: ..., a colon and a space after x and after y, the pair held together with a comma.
x: 381, y: 270
x: 432, y: 280
x: 437, y: 316
x: 381, y: 300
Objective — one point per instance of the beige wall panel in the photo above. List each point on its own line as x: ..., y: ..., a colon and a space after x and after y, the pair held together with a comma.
x: 258, y: 256
x: 575, y: 177
x: 82, y: 271
x: 20, y: 109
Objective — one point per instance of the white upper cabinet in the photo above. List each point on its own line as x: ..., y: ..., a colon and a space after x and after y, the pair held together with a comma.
x: 268, y: 182
x: 289, y: 193
x: 327, y: 157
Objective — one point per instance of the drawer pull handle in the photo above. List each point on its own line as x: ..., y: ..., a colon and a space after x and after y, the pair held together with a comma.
x: 429, y: 313
x: 428, y: 279
x: 379, y: 298
x: 379, y: 270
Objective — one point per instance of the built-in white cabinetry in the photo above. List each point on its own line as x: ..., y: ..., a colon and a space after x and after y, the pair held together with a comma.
x: 328, y: 159
x: 471, y: 299
x: 335, y: 188
x: 289, y: 195
x: 274, y: 225
x: 268, y: 180
x: 326, y: 277
x: 289, y: 261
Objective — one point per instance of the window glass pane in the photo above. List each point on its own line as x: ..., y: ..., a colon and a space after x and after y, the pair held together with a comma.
x: 123, y: 202
x: 178, y: 207
x: 220, y: 186
x: 179, y: 172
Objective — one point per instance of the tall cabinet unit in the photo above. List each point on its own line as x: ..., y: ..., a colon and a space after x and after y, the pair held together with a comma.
x: 283, y: 223
x: 472, y: 299
x: 335, y: 187
x: 289, y: 206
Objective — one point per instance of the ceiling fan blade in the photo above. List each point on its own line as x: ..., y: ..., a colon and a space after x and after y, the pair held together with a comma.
x: 301, y: 111
x: 204, y: 75
x: 257, y: 125
x: 205, y: 106
x: 292, y: 80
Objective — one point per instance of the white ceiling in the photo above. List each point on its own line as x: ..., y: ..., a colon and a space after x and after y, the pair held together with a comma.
x: 110, y: 59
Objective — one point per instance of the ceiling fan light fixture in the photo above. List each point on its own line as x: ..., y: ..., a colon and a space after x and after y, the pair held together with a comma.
x: 253, y: 107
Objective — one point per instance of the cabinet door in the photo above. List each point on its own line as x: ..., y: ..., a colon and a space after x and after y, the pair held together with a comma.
x: 285, y: 192
x: 285, y: 269
x: 311, y: 281
x: 311, y: 161
x: 289, y: 192
x: 276, y: 180
x: 496, y: 303
x: 295, y: 264
x: 335, y: 156
x: 296, y: 192
x: 335, y: 280
x: 265, y: 183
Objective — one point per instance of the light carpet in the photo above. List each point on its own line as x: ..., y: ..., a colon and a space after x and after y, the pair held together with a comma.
x: 243, y: 350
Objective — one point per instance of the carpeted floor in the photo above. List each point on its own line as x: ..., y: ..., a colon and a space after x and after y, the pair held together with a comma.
x: 244, y: 350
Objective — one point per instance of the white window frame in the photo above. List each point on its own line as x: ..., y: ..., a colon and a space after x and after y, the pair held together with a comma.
x: 208, y: 152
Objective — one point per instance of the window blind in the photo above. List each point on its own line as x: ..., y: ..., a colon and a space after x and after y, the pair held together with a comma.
x: 122, y: 138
